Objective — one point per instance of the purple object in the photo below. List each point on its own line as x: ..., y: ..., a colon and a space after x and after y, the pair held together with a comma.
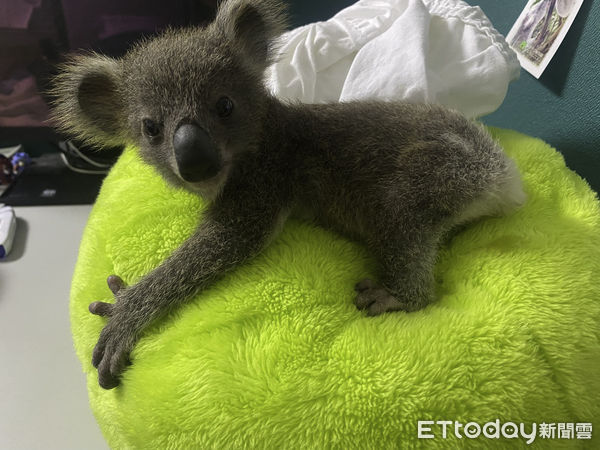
x: 19, y: 162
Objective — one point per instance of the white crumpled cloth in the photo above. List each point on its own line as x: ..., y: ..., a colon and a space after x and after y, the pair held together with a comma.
x: 434, y: 51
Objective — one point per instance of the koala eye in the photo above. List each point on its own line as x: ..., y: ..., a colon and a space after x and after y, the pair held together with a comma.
x: 151, y: 128
x: 224, y: 107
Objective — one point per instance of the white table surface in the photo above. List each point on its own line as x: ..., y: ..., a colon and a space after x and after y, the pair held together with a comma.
x: 43, y: 397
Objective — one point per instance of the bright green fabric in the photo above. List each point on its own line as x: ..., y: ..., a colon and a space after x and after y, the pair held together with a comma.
x: 276, y: 355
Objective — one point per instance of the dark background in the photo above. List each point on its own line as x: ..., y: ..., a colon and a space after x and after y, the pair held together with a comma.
x: 563, y: 106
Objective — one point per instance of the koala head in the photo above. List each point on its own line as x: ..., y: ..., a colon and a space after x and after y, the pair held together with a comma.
x: 190, y: 100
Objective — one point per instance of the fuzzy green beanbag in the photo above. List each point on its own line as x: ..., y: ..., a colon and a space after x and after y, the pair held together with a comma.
x: 276, y: 355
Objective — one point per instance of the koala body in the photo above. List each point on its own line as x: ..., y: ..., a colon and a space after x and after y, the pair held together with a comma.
x: 396, y: 176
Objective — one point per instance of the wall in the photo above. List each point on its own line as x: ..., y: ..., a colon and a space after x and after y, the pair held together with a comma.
x: 563, y: 106
x: 307, y: 11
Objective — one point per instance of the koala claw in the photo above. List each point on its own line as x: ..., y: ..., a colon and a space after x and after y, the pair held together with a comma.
x: 111, y: 354
x: 115, y: 283
x: 375, y: 299
x: 102, y: 309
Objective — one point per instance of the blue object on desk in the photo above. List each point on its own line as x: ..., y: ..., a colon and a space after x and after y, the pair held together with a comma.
x: 19, y: 162
x: 8, y: 226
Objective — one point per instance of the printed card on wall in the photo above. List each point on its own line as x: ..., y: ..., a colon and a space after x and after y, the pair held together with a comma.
x: 539, y: 31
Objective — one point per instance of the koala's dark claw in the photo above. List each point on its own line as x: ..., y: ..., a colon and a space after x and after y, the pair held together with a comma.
x: 101, y: 309
x: 115, y: 283
x: 98, y: 353
x: 107, y: 381
x: 111, y: 355
x: 364, y: 285
x: 109, y: 370
x: 106, y: 378
x: 376, y: 299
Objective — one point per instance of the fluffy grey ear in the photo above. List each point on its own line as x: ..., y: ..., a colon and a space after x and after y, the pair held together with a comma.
x: 87, y: 101
x: 252, y: 26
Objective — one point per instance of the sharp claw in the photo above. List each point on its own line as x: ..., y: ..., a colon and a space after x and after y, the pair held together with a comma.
x: 115, y: 283
x: 97, y: 356
x: 364, y: 285
x: 107, y: 384
x: 117, y: 364
x: 93, y: 307
x: 106, y: 380
x: 101, y: 308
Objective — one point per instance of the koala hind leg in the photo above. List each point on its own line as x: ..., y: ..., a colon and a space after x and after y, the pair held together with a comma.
x: 406, y: 269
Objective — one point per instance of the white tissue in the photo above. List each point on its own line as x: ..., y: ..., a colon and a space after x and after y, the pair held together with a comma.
x: 434, y: 51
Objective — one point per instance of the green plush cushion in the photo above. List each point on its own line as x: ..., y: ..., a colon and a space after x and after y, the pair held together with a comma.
x: 276, y: 355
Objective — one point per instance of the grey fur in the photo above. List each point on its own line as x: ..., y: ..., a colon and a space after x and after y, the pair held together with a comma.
x: 396, y: 176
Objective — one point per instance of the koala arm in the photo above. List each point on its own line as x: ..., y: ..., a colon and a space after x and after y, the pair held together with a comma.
x: 229, y: 235
x: 219, y: 244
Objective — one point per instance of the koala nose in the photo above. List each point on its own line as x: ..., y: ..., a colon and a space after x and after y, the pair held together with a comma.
x: 195, y: 152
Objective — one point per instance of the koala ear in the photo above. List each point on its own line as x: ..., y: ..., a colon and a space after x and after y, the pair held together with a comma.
x: 87, y: 101
x: 252, y: 26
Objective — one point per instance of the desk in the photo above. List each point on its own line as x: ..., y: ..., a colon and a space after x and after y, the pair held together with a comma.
x: 43, y: 396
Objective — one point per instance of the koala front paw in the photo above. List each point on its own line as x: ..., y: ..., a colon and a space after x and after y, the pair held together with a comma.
x: 377, y: 300
x: 111, y: 354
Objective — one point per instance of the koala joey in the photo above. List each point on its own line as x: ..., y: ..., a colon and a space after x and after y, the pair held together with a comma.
x: 393, y: 175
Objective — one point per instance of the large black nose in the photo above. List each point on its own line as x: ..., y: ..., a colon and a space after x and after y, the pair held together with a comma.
x: 195, y: 152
